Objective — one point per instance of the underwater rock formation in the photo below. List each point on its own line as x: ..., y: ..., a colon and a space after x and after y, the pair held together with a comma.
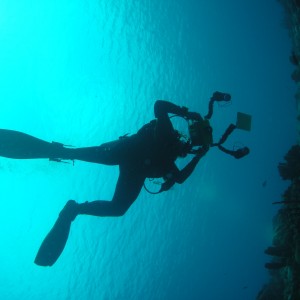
x: 284, y: 253
x: 292, y: 23
x: 284, y: 264
x: 291, y: 168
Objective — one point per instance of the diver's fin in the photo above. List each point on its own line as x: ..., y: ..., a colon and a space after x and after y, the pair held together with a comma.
x: 53, y: 244
x: 55, y: 241
x: 19, y: 145
x: 243, y: 121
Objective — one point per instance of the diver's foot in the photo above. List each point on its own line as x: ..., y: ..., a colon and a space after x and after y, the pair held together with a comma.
x: 70, y: 210
x: 219, y: 96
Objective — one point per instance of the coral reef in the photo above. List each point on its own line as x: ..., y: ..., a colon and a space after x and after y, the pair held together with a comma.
x: 284, y: 264
x: 292, y: 23
x: 284, y: 253
x: 291, y: 168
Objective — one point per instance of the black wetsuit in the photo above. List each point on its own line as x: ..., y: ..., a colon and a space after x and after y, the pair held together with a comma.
x: 151, y: 152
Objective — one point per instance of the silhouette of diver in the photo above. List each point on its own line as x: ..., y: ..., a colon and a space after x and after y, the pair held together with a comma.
x: 150, y: 153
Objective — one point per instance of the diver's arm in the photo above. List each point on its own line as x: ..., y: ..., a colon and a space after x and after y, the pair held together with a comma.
x: 186, y: 172
x: 164, y: 128
x: 179, y: 176
x: 182, y: 175
x: 162, y: 108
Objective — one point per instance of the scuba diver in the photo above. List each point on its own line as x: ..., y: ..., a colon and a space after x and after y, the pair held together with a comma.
x: 150, y: 153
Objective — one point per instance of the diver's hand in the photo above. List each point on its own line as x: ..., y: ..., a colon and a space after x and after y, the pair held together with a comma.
x: 193, y: 116
x: 201, y: 151
x: 167, y: 185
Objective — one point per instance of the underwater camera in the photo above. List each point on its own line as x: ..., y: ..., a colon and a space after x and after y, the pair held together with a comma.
x: 200, y: 133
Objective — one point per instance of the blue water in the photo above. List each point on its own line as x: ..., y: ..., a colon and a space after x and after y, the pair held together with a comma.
x: 86, y: 72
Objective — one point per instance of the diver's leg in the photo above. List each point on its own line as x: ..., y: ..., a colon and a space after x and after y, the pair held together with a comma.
x: 97, y: 154
x: 111, y: 153
x: 19, y: 145
x: 127, y: 190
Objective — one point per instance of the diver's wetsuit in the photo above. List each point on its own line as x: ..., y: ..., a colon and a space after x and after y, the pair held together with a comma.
x: 151, y: 152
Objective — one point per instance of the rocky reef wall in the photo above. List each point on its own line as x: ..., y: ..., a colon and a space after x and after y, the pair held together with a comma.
x: 284, y: 253
x: 292, y: 23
